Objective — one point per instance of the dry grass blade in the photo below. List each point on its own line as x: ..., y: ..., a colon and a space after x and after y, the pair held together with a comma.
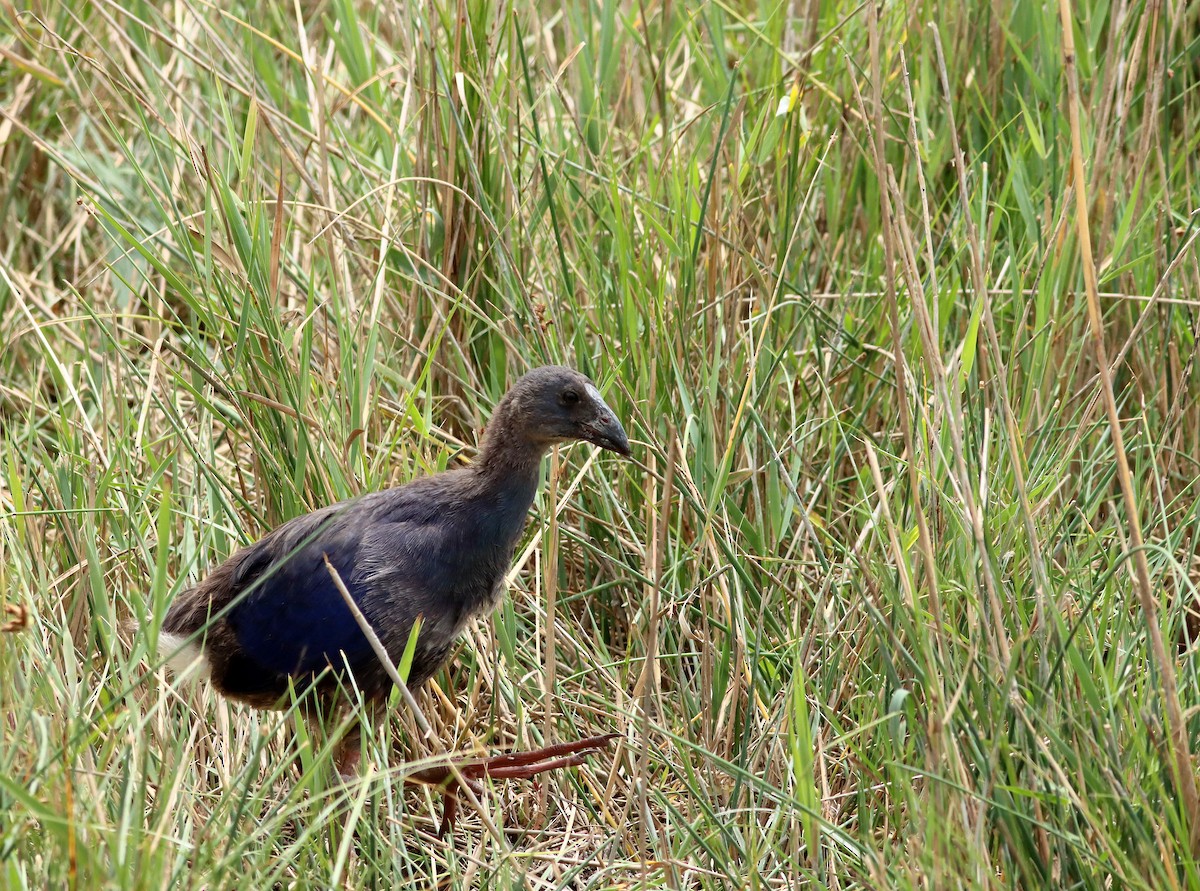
x: 1185, y: 770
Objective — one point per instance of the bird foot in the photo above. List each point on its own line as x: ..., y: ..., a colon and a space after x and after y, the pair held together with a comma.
x: 513, y: 766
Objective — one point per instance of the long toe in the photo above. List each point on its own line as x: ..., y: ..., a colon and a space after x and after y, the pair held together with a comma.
x: 511, y: 766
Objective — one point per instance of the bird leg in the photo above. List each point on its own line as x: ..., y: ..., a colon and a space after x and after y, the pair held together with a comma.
x: 347, y: 751
x: 347, y: 754
x: 513, y: 766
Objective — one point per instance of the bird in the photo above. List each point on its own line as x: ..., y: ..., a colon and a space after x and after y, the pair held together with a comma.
x: 270, y: 622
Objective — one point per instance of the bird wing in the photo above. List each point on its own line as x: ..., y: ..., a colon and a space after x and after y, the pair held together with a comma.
x: 289, y: 616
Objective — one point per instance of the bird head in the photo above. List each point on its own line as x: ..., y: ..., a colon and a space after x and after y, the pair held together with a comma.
x: 556, y: 404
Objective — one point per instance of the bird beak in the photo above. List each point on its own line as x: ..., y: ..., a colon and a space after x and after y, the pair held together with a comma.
x: 610, y: 436
x: 605, y: 430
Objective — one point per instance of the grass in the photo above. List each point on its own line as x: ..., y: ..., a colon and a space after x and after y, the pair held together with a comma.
x: 868, y: 607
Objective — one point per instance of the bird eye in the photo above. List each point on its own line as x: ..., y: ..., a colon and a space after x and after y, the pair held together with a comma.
x: 570, y: 397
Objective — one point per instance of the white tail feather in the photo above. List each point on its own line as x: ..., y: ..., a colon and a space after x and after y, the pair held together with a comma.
x: 183, y: 655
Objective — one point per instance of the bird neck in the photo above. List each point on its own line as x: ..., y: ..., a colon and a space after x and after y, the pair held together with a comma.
x: 507, y: 454
x: 510, y: 465
x: 508, y: 470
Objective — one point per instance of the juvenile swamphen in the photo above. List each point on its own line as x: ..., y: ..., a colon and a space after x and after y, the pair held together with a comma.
x: 271, y: 616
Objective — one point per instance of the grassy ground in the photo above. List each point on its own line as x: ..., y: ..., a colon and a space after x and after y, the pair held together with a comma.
x: 894, y: 595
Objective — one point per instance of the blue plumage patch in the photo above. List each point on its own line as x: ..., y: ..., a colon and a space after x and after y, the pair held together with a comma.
x: 292, y: 619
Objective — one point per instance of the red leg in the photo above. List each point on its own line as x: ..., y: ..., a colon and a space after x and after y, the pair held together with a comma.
x: 347, y: 755
x: 516, y: 765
